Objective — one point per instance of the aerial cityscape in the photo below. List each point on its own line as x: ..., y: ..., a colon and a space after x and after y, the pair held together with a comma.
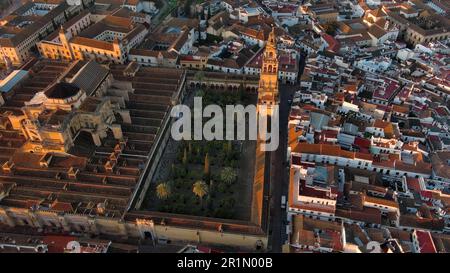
x: 236, y: 126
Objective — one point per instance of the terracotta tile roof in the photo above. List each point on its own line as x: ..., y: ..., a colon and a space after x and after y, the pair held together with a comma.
x: 439, y: 161
x: 365, y: 156
x: 362, y: 143
x: 381, y: 201
x: 381, y: 124
x: 111, y: 23
x: 119, y: 2
x: 329, y: 149
x: 378, y: 12
x: 412, y: 220
x: 333, y: 44
x: 57, y: 244
x: 180, y: 41
x: 313, y: 207
x: 413, y: 184
x: 307, y: 190
x: 350, y: 87
x: 21, y: 34
x: 261, y: 34
x: 400, y: 109
x: 418, y: 167
x: 153, y: 53
x: 368, y: 215
x: 92, y: 43
x: 304, y: 233
x: 377, y: 31
x: 426, y: 243
x: 62, y: 206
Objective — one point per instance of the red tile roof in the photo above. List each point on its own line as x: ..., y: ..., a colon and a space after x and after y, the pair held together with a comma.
x: 426, y: 194
x: 362, y: 143
x: 306, y: 190
x: 62, y: 206
x: 56, y: 243
x: 333, y: 44
x: 426, y: 243
x: 413, y: 184
x: 329, y: 149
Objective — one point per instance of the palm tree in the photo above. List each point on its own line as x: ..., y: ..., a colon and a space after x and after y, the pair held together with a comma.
x: 228, y: 175
x: 200, y: 93
x: 200, y: 189
x: 206, y: 167
x: 199, y: 76
x: 185, y: 157
x: 228, y: 148
x: 163, y: 191
x: 241, y: 92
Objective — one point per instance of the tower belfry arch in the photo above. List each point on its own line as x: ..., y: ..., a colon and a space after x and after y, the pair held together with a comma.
x: 268, y: 83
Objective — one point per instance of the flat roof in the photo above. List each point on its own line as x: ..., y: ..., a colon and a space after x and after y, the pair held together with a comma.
x: 12, y: 79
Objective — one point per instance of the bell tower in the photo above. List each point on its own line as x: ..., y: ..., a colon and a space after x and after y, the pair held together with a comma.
x: 65, y: 43
x: 268, y: 82
x: 267, y: 112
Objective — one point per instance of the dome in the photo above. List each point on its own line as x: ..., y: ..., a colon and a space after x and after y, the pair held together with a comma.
x: 61, y: 90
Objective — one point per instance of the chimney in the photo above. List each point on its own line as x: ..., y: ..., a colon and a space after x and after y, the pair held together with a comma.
x: 386, y: 25
x: 101, y: 208
x: 8, y: 167
x: 109, y: 165
x: 72, y: 173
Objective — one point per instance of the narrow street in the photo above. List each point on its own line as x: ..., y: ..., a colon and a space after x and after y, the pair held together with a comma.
x: 280, y: 175
x: 164, y: 11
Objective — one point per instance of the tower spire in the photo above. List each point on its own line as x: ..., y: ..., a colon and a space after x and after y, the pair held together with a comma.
x: 268, y: 82
x: 271, y: 41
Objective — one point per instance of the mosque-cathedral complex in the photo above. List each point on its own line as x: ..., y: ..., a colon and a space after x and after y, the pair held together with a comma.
x: 352, y: 152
